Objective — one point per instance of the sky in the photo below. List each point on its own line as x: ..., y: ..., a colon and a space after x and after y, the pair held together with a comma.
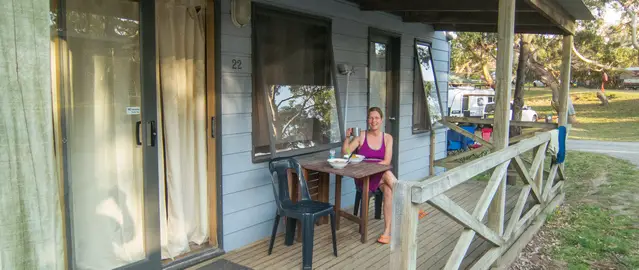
x: 611, y: 16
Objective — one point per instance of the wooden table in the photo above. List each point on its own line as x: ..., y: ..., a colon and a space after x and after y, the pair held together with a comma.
x: 361, y: 171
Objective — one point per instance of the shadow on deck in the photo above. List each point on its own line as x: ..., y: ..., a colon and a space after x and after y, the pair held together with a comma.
x: 437, y: 236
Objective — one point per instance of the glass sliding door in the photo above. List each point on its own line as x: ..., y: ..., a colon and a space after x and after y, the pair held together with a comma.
x: 107, y: 92
x: 383, y: 83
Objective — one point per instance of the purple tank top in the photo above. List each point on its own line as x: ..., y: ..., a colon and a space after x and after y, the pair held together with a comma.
x: 368, y: 152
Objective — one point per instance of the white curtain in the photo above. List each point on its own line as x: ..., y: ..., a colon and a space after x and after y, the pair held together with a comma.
x: 182, y: 114
x: 30, y: 209
x: 104, y: 165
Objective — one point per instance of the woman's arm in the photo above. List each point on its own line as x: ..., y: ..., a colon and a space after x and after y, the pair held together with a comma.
x: 350, y: 145
x: 388, y: 154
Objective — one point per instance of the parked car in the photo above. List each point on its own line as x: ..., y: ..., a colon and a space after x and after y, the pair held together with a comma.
x: 630, y: 78
x: 527, y: 113
x: 538, y: 83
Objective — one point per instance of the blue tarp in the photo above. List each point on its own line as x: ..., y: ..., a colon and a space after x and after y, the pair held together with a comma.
x: 457, y: 141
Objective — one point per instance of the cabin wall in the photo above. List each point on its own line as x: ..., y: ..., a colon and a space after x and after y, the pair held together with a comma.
x: 248, y: 206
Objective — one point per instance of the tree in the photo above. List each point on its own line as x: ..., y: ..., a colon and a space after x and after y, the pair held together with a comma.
x: 598, y: 48
x: 473, y: 52
x: 518, y: 102
x: 302, y: 107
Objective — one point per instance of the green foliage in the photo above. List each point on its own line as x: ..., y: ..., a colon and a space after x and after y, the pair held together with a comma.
x: 470, y: 51
x: 599, y: 227
x: 617, y: 122
x: 606, y: 44
x: 596, y: 235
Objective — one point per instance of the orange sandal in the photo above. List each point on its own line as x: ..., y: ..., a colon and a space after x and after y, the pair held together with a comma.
x: 384, y: 239
x: 422, y: 214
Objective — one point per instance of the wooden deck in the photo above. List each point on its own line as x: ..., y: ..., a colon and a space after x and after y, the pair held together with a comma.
x: 437, y: 236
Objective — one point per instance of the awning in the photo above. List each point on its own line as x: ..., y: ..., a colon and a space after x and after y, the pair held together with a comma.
x: 531, y: 16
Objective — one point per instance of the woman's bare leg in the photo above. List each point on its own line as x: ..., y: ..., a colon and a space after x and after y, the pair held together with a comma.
x: 388, y: 181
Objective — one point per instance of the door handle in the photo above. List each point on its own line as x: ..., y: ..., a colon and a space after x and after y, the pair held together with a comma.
x: 138, y: 140
x: 151, y: 133
x: 213, y: 127
x: 392, y: 118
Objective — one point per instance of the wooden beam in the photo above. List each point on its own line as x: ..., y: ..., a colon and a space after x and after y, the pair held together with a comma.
x: 558, y: 186
x: 457, y: 213
x: 466, y: 238
x: 491, y: 121
x: 211, y: 103
x: 403, y: 244
x: 472, y: 18
x: 467, y: 134
x: 451, y: 5
x: 448, y: 159
x: 489, y: 257
x: 540, y: 155
x: 492, y: 28
x: 431, y: 187
x: 461, y: 248
x: 486, y: 197
x: 562, y: 173
x: 519, y: 240
x: 519, y: 207
x: 528, y: 216
x: 556, y: 14
x: 523, y: 173
x: 550, y: 181
x: 564, y: 92
x: 506, y: 37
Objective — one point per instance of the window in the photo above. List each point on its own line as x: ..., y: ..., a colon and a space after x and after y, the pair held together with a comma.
x: 294, y: 101
x: 427, y: 109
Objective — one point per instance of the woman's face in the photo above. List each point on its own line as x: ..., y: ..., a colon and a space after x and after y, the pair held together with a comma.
x: 374, y: 120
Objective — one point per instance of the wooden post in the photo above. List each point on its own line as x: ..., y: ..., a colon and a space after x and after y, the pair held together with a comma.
x: 403, y: 228
x: 564, y: 92
x: 211, y: 111
x: 506, y: 32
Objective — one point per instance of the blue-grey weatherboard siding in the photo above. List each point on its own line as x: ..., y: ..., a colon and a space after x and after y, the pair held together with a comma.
x: 248, y: 206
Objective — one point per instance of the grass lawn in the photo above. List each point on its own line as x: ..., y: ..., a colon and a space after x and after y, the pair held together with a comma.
x: 617, y: 122
x: 598, y: 225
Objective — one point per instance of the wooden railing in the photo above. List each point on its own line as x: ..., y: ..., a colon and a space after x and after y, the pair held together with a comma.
x: 452, y: 161
x: 409, y: 195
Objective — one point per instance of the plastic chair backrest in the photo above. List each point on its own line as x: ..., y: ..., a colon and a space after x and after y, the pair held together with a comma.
x: 279, y: 177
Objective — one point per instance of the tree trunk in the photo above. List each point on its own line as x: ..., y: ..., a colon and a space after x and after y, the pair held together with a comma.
x: 487, y: 77
x: 518, y: 100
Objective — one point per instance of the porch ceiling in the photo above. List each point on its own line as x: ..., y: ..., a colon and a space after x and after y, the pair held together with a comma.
x: 532, y: 16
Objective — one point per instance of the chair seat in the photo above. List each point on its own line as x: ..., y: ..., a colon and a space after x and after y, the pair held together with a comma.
x: 307, y: 207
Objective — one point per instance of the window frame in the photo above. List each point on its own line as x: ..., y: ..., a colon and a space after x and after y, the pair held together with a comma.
x: 309, y: 18
x: 418, y: 78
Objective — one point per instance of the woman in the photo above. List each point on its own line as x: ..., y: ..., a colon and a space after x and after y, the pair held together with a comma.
x: 377, y: 146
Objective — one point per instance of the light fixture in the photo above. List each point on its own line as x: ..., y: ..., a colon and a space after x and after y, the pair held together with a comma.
x: 241, y: 12
x: 450, y: 35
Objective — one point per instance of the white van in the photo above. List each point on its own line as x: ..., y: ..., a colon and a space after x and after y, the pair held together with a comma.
x: 471, y: 102
x: 468, y: 101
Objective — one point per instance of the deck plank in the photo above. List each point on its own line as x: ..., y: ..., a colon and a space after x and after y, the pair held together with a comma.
x: 437, y: 236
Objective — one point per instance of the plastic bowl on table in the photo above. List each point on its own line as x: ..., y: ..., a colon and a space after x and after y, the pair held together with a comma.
x: 337, y: 163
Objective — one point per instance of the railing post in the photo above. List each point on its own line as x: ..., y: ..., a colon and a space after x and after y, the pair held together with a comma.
x: 564, y: 92
x: 506, y: 35
x: 403, y: 228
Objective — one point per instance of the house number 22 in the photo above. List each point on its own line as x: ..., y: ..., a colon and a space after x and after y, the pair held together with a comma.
x: 237, y: 64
